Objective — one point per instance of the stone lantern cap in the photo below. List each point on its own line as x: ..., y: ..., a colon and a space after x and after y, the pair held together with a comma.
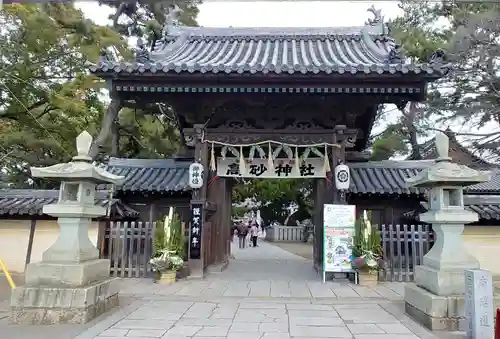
x: 446, y: 173
x: 80, y: 168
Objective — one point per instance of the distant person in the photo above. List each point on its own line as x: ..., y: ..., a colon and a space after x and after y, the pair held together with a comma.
x: 254, y: 233
x: 242, y: 235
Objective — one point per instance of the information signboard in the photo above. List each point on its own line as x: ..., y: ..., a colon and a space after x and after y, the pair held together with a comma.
x: 338, y: 232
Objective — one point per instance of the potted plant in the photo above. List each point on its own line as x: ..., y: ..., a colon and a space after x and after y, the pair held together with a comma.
x: 366, y: 252
x: 168, y: 249
x: 166, y: 266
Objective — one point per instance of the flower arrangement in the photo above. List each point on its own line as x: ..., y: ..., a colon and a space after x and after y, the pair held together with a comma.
x: 166, y: 261
x: 367, y: 250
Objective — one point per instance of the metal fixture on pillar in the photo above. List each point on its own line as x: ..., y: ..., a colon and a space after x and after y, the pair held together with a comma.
x: 342, y: 180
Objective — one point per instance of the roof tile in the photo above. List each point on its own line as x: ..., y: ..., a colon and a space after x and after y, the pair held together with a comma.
x: 31, y: 202
x: 486, y: 206
x: 151, y: 175
x: 347, y: 50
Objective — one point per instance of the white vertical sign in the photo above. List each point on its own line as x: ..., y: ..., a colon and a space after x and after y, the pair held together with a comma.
x: 479, y: 304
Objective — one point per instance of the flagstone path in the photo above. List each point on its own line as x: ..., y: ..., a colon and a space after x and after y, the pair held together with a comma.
x: 266, y: 292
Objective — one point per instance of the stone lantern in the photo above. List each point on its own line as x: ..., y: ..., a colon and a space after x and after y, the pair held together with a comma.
x: 437, y: 297
x: 71, y: 284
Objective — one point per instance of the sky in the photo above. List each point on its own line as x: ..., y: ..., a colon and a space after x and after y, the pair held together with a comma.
x: 281, y: 14
x: 273, y: 13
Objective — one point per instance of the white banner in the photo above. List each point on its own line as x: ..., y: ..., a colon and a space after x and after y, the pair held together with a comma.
x: 338, y: 236
x: 282, y: 168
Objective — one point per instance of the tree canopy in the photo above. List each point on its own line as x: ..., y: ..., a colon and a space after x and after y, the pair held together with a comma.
x: 468, y: 95
x: 47, y: 95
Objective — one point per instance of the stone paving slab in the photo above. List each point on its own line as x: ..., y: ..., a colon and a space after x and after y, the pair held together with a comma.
x: 182, y: 319
x: 266, y: 293
x: 216, y: 287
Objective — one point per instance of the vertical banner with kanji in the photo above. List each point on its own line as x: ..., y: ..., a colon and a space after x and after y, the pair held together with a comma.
x: 195, y: 231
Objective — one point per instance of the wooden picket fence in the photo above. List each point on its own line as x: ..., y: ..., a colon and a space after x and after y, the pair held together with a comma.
x: 284, y: 233
x: 404, y: 248
x: 129, y: 246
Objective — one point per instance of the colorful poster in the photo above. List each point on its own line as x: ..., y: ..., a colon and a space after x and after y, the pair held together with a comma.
x: 338, y: 237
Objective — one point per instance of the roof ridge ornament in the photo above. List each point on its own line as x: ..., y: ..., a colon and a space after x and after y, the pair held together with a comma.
x: 377, y: 16
x: 142, y: 54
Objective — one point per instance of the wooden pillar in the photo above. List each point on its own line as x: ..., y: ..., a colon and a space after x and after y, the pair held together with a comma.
x: 319, y: 189
x: 338, y: 157
x: 228, y: 236
x: 219, y: 194
x: 327, y: 193
x: 196, y: 266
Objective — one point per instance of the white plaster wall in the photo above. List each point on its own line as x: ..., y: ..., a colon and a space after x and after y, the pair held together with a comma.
x: 483, y: 242
x: 14, y: 238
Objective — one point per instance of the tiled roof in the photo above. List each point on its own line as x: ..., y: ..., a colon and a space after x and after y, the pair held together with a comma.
x: 31, y: 202
x: 487, y: 206
x: 428, y: 151
x: 490, y: 187
x: 348, y: 50
x: 385, y: 177
x: 151, y: 175
x: 372, y: 177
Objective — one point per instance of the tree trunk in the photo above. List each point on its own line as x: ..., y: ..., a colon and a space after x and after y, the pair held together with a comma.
x: 115, y: 139
x: 409, y: 121
x: 107, y: 122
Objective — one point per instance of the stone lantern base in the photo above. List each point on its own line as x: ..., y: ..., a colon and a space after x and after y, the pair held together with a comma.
x: 438, y: 313
x: 64, y: 293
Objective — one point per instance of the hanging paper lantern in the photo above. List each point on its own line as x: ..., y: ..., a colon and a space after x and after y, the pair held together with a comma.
x: 195, y: 175
x: 342, y: 177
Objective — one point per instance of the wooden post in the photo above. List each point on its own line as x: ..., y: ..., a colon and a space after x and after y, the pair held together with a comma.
x: 30, y: 242
x: 338, y: 157
x: 196, y: 266
x: 319, y: 188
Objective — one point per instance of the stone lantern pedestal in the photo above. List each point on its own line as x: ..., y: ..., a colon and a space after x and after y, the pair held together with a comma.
x: 437, y: 298
x: 71, y: 284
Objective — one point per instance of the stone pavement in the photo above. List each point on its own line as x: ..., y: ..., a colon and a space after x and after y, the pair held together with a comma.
x: 266, y: 292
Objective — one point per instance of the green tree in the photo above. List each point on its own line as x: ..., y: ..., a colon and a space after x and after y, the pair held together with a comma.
x: 419, y: 36
x: 147, y: 18
x: 142, y: 19
x: 275, y: 196
x: 47, y: 96
x: 470, y: 93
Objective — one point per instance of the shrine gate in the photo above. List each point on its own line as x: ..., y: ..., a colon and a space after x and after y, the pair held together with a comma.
x: 268, y: 102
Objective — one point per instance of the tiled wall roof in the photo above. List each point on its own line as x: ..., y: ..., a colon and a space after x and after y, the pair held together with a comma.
x: 373, y: 177
x: 31, y: 202
x: 151, y: 175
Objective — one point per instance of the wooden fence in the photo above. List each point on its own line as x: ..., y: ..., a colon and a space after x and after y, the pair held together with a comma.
x: 129, y: 246
x: 284, y: 233
x: 404, y: 248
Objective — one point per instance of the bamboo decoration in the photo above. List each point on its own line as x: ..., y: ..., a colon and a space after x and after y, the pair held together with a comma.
x: 242, y: 162
x: 326, y: 161
x: 270, y: 162
x: 213, y: 166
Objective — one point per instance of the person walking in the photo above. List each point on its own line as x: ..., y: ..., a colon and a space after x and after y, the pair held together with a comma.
x: 254, y: 232
x: 242, y: 235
